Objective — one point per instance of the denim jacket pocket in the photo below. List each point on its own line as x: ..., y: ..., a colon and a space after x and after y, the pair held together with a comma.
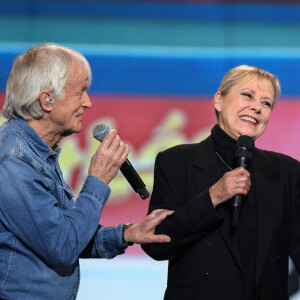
x: 67, y: 196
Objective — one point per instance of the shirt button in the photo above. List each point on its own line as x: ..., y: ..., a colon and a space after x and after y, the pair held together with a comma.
x: 206, y: 245
x: 207, y: 276
x: 281, y: 290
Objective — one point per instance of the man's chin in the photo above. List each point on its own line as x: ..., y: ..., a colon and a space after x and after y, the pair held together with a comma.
x: 69, y: 132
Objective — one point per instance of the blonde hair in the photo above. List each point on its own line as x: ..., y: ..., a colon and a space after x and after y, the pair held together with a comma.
x: 45, y: 67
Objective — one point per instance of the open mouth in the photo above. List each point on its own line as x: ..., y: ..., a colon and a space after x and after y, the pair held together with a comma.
x: 249, y: 119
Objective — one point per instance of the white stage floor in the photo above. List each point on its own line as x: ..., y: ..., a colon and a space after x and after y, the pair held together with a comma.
x: 124, y: 277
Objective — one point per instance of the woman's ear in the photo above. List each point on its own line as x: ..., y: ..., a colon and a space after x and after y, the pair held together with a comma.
x: 46, y: 102
x: 218, y: 101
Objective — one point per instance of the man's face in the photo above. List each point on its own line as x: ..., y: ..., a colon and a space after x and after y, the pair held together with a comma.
x: 67, y: 114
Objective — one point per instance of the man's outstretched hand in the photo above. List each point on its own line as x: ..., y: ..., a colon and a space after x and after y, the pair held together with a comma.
x: 143, y: 232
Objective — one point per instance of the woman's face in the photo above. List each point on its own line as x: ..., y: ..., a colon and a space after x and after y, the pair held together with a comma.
x: 247, y: 107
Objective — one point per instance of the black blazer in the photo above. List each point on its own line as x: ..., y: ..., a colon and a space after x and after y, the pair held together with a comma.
x: 204, y: 259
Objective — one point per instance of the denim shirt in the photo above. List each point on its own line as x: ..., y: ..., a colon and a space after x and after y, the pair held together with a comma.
x: 43, y: 230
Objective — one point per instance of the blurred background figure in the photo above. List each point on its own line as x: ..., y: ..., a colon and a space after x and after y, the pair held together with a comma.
x: 156, y: 66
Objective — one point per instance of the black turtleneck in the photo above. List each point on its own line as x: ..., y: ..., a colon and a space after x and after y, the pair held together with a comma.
x: 246, y: 231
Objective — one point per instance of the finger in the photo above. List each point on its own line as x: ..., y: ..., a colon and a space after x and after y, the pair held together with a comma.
x: 243, y: 190
x: 161, y: 213
x: 109, y: 138
x: 244, y: 172
x: 122, y: 152
x: 240, y: 171
x: 243, y: 179
x: 169, y: 212
x: 116, y: 144
x: 158, y: 210
x: 125, y: 154
x: 117, y: 150
x: 160, y: 238
x: 243, y: 182
x: 159, y: 217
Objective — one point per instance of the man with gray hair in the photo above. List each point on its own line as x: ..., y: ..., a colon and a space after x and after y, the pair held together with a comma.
x: 43, y: 230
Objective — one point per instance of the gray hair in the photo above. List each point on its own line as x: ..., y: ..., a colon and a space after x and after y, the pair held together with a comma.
x: 235, y: 74
x: 45, y: 67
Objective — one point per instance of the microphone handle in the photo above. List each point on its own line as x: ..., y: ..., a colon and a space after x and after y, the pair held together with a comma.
x: 241, y: 161
x: 236, y: 209
x: 134, y: 179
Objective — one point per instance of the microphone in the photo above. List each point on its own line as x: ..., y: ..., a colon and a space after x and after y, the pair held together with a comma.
x: 99, y: 132
x: 243, y: 154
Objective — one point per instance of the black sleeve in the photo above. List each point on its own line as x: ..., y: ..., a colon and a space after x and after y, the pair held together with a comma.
x: 194, y: 216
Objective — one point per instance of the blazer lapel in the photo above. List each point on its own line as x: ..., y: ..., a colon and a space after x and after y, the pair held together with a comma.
x: 205, y: 170
x: 205, y: 162
x: 268, y: 209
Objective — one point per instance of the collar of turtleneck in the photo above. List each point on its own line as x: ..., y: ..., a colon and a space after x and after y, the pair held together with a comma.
x: 224, y: 145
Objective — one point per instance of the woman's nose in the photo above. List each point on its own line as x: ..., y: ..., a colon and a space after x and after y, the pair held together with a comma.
x: 256, y: 106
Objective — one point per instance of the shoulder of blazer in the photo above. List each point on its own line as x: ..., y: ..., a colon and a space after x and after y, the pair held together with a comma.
x: 274, y: 161
x: 197, y: 152
x: 199, y: 156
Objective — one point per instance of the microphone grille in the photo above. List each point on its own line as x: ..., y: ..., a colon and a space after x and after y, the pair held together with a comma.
x: 245, y: 141
x: 100, y: 131
x: 244, y: 146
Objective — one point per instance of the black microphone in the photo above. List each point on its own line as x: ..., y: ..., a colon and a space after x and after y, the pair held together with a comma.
x: 99, y: 132
x: 243, y: 154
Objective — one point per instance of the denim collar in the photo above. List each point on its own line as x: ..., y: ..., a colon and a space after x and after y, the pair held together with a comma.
x: 33, y: 139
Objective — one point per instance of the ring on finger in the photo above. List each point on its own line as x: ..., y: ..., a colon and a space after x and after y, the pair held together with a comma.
x: 238, y: 184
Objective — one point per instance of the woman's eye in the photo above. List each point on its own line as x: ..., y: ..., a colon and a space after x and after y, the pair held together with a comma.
x: 267, y: 104
x: 247, y: 95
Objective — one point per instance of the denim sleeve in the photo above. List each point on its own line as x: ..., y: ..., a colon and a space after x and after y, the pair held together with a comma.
x: 107, y: 243
x: 56, y: 231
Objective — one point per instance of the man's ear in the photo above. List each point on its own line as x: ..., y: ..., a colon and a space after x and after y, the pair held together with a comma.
x: 218, y: 101
x: 46, y: 101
